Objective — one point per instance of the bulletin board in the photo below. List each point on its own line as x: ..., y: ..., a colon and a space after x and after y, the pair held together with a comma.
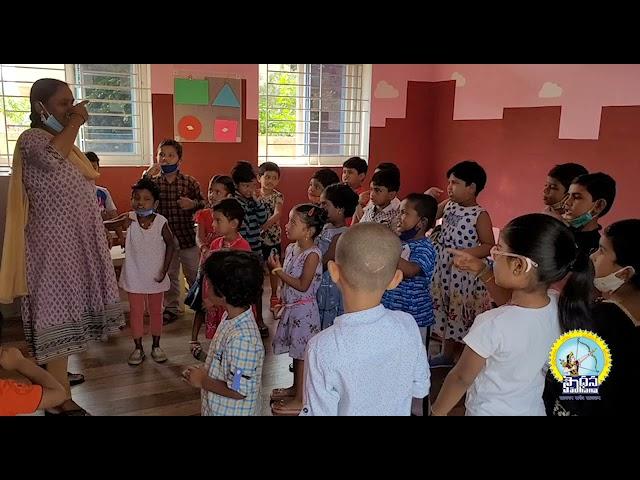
x: 207, y: 110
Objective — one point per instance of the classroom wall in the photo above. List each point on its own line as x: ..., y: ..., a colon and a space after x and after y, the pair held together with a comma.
x: 507, y: 117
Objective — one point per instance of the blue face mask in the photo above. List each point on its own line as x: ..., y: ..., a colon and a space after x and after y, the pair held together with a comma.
x: 51, y: 121
x: 167, y: 169
x: 144, y: 213
x: 410, y: 234
x: 582, y: 220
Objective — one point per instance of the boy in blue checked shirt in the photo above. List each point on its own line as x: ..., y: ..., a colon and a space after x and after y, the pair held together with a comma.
x: 231, y: 377
x: 412, y: 295
x: 256, y: 213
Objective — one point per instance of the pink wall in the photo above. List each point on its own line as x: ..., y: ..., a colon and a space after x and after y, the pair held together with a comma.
x: 162, y: 75
x: 484, y: 90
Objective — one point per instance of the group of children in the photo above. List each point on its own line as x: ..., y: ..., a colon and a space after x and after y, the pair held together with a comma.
x: 367, y: 276
x: 337, y: 283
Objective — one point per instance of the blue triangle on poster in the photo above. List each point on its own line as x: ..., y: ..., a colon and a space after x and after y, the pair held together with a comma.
x: 226, y: 98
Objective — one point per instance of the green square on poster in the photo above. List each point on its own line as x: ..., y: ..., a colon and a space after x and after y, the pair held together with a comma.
x: 191, y: 92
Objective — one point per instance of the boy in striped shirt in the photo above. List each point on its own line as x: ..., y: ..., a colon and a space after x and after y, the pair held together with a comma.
x: 256, y: 215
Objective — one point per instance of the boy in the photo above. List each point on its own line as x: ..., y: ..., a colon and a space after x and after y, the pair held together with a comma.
x: 556, y: 188
x: 382, y: 208
x: 256, y: 214
x: 231, y: 378
x: 180, y: 198
x: 371, y: 361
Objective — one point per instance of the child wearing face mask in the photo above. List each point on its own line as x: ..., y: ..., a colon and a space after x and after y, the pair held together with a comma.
x: 180, y: 198
x: 150, y: 249
x: 591, y: 197
x: 616, y: 319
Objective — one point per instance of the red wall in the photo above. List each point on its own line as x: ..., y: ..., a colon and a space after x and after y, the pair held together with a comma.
x: 516, y: 151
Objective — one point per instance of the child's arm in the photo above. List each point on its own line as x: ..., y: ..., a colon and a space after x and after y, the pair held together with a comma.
x: 303, y: 283
x: 168, y: 253
x: 193, y: 200
x: 53, y: 394
x: 197, y: 377
x: 321, y: 399
x: 458, y: 382
x: 118, y: 223
x: 201, y: 240
x: 331, y: 251
x: 478, y: 267
x: 274, y: 219
x: 409, y: 269
x: 261, y: 212
x: 485, y: 237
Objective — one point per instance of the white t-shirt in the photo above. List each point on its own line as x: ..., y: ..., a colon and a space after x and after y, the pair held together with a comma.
x: 371, y: 362
x: 516, y: 342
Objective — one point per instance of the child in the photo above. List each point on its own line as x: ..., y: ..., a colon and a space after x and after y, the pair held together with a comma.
x: 180, y: 198
x: 107, y: 208
x: 459, y: 297
x: 590, y: 198
x: 365, y: 195
x: 382, y: 209
x: 220, y: 188
x: 556, y: 189
x: 300, y: 274
x: 339, y: 201
x: 320, y: 180
x: 617, y: 320
x: 507, y: 349
x: 354, y: 171
x: 230, y: 380
x: 255, y: 216
x: 17, y: 398
x: 371, y: 361
x: 150, y: 249
x: 417, y: 216
x: 269, y: 176
x: 227, y: 219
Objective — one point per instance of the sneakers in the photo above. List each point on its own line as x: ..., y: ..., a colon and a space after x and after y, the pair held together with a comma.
x: 136, y: 357
x: 158, y: 355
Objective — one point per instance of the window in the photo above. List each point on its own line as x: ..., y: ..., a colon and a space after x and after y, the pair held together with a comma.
x: 313, y: 114
x: 119, y: 127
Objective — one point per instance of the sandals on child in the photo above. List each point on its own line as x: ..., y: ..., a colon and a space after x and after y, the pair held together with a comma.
x: 197, y: 351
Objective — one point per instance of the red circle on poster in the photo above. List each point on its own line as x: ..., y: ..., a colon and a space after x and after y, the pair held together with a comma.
x: 189, y: 127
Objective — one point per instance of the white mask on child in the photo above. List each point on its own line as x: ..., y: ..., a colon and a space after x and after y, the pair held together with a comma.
x: 611, y: 283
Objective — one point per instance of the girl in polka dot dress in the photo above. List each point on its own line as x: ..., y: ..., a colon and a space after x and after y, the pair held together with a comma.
x: 458, y: 297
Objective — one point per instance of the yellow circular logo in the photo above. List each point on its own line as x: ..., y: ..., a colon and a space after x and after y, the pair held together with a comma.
x: 580, y: 353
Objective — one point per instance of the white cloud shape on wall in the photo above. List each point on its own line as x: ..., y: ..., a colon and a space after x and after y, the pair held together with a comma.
x: 550, y: 90
x: 385, y: 90
x: 459, y: 78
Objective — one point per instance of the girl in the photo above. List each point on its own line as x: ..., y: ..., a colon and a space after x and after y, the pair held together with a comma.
x: 507, y: 349
x: 340, y: 202
x: 301, y: 275
x: 617, y: 320
x: 220, y: 187
x: 458, y: 297
x: 150, y: 248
